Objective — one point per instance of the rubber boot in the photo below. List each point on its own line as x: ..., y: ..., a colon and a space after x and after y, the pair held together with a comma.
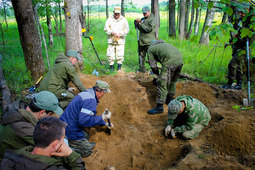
x: 112, y: 67
x: 238, y: 85
x: 158, y: 109
x: 169, y: 98
x: 229, y: 85
x: 119, y: 67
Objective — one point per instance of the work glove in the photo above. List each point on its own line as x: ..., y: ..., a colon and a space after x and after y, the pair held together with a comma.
x: 71, y: 89
x: 138, y: 20
x: 173, y: 133
x: 154, y: 81
x: 107, y: 124
x: 106, y: 115
x: 167, y: 130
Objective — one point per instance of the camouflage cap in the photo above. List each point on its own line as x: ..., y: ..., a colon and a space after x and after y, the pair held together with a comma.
x: 103, y: 85
x: 73, y: 53
x: 46, y: 100
x: 174, y: 107
x: 146, y: 9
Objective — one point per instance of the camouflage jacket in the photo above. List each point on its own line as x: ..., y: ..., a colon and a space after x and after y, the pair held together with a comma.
x: 61, y: 73
x: 147, y: 30
x: 194, y: 113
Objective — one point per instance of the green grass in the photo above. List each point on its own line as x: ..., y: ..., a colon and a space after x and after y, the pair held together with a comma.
x: 197, y: 59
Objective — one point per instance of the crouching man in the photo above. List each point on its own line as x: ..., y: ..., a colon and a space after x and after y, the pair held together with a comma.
x: 49, y: 152
x: 186, y: 116
x: 81, y: 113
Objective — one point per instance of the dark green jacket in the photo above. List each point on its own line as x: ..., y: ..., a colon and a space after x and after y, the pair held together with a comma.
x: 147, y: 30
x: 16, y: 130
x: 164, y: 53
x: 24, y: 160
x: 61, y: 73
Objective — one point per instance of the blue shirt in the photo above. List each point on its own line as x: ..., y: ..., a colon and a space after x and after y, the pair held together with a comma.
x: 80, y: 113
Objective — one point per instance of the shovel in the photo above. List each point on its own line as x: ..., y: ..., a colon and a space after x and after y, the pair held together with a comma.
x: 248, y: 102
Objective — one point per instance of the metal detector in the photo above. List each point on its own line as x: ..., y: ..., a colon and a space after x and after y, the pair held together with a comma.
x: 93, y: 47
x: 248, y: 101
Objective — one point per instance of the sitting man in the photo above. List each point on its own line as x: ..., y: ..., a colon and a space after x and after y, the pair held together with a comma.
x: 17, y: 125
x: 61, y: 73
x: 50, y: 150
x: 188, y: 116
x: 80, y: 113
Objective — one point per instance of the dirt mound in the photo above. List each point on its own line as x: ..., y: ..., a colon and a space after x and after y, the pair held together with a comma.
x: 137, y: 140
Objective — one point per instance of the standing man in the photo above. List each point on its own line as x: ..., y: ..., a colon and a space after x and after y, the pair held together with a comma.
x: 17, y: 125
x: 61, y: 73
x: 238, y: 44
x: 116, y: 27
x: 81, y: 113
x: 171, y: 60
x: 50, y: 150
x: 188, y: 116
x: 147, y: 26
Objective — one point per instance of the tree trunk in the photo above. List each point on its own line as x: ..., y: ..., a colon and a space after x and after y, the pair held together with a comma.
x: 224, y: 18
x: 73, y: 34
x: 29, y: 37
x: 197, y: 20
x: 204, y: 39
x: 83, y: 23
x: 172, y: 30
x: 191, y: 21
x: 182, y: 19
x: 49, y: 25
x: 55, y: 15
x: 122, y: 7
x: 187, y: 10
x: 60, y: 18
x: 106, y: 9
x: 155, y: 12
x: 5, y: 18
x: 88, y: 26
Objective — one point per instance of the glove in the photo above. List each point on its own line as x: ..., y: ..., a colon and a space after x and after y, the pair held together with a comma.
x: 71, y: 89
x: 138, y: 20
x: 173, y: 134
x: 107, y: 124
x: 106, y: 116
x: 167, y: 130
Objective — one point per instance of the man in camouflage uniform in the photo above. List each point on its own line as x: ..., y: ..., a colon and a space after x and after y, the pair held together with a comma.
x: 238, y: 44
x: 146, y: 26
x: 61, y: 73
x: 171, y: 60
x: 188, y: 116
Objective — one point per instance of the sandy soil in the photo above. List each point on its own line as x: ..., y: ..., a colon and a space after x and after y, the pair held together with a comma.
x: 137, y: 140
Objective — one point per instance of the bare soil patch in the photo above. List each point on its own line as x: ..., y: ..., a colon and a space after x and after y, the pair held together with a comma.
x: 137, y: 141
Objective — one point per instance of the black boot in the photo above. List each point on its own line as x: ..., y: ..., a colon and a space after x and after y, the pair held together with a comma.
x: 112, y: 67
x: 229, y: 85
x: 158, y: 109
x: 169, y: 98
x: 238, y: 85
x: 119, y: 67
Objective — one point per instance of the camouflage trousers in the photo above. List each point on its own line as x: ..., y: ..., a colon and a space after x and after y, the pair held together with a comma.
x: 194, y: 132
x: 82, y: 146
x: 166, y: 83
x: 235, y: 66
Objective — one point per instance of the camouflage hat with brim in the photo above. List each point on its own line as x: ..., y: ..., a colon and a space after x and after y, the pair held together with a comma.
x: 174, y: 107
x: 146, y: 9
x: 103, y: 85
x: 46, y: 100
x: 73, y: 53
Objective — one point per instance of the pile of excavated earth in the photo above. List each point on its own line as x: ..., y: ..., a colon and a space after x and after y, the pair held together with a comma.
x: 137, y: 140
